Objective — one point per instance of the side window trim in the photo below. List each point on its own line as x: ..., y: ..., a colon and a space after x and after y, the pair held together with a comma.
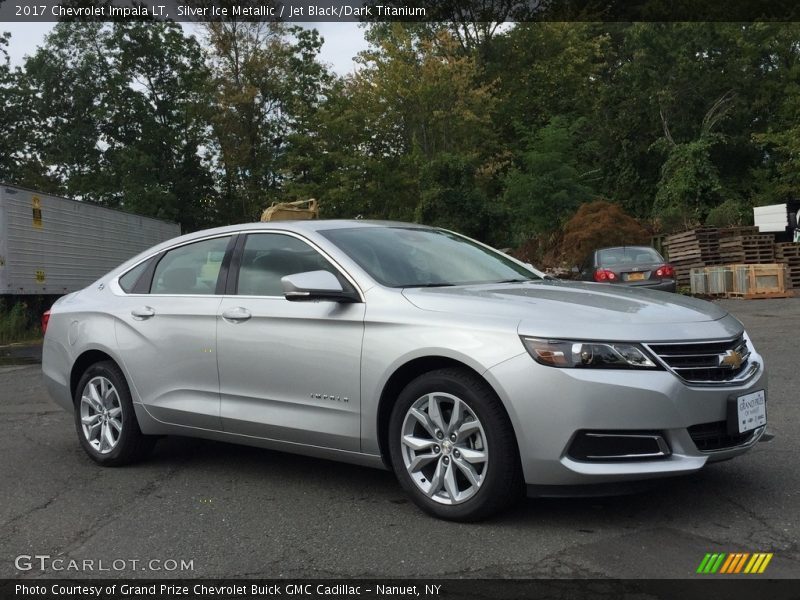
x: 232, y: 283
x: 225, y: 268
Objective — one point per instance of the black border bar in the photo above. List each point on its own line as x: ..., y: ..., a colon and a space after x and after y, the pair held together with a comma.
x: 309, y: 11
x: 700, y: 588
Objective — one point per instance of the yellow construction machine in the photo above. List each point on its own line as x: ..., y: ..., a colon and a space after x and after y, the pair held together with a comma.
x: 302, y: 210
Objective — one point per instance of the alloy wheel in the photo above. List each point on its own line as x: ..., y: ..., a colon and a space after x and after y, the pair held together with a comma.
x: 101, y: 414
x: 444, y: 448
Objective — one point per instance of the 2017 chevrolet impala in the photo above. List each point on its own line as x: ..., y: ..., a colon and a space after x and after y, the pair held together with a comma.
x: 388, y: 344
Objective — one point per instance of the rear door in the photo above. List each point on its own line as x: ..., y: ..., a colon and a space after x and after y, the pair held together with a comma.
x: 289, y: 371
x: 166, y: 331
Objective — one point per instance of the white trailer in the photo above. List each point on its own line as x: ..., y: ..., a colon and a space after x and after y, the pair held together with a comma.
x: 51, y: 245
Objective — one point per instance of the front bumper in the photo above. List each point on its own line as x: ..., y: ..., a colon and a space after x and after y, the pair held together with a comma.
x: 548, y: 406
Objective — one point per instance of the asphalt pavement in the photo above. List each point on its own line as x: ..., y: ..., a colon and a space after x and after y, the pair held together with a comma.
x: 232, y: 511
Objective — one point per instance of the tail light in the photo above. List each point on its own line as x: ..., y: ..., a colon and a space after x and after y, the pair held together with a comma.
x: 604, y: 275
x: 45, y: 321
x: 665, y: 271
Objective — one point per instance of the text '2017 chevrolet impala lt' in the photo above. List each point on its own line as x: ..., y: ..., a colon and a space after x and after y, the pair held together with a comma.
x: 385, y: 344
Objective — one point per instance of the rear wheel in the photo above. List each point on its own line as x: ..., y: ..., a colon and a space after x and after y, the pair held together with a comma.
x: 105, y: 420
x: 453, y: 448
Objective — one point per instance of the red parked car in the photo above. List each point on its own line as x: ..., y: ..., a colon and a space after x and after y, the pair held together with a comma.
x: 636, y: 266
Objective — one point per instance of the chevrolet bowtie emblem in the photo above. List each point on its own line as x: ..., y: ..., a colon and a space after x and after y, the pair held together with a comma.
x: 731, y: 359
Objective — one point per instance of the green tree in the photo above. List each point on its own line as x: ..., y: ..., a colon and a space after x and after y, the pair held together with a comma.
x: 9, y: 115
x: 690, y: 184
x: 157, y: 127
x: 120, y: 114
x: 269, y: 86
x: 550, y: 183
x: 452, y: 197
x: 414, y: 98
x: 67, y: 79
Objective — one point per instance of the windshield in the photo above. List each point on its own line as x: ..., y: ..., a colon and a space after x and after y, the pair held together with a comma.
x: 411, y: 257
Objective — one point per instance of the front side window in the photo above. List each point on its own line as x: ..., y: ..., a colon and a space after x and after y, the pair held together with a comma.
x: 190, y: 269
x: 267, y: 257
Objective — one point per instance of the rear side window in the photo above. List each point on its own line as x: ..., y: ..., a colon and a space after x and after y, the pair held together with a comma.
x: 190, y: 269
x: 128, y: 281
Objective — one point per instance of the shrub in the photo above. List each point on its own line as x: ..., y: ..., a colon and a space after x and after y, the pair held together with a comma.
x: 599, y: 224
x: 15, y: 322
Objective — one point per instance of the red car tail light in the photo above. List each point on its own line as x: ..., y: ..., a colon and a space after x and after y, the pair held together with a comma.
x: 45, y: 321
x: 604, y: 275
x: 665, y: 271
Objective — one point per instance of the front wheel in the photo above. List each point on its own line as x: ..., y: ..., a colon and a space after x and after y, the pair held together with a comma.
x: 105, y: 420
x: 453, y: 448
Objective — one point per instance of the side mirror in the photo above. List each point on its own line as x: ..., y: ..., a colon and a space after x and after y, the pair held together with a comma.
x: 315, y: 285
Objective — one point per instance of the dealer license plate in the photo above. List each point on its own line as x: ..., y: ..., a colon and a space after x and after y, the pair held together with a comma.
x: 635, y: 276
x: 751, y: 410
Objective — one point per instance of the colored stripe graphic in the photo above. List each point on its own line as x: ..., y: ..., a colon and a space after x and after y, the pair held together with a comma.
x: 765, y: 563
x: 732, y: 559
x: 716, y: 567
x: 751, y: 564
x: 741, y: 562
x: 703, y: 563
x: 715, y: 563
x: 735, y: 562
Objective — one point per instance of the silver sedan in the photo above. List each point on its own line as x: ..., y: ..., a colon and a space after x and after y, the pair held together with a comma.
x: 407, y: 347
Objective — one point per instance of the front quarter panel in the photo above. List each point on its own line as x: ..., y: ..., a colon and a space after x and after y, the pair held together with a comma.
x: 397, y: 332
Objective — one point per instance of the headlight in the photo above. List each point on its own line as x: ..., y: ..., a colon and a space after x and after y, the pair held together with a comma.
x: 588, y: 355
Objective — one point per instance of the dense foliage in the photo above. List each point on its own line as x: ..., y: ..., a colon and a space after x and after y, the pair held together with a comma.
x: 502, y: 133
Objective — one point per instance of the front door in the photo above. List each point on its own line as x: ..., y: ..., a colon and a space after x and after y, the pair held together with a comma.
x: 289, y: 371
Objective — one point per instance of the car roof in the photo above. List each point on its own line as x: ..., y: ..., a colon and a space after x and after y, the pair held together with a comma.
x: 309, y: 225
x: 300, y: 225
x: 296, y: 226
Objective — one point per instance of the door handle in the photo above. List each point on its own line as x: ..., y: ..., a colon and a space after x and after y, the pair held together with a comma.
x: 143, y: 313
x: 236, y: 315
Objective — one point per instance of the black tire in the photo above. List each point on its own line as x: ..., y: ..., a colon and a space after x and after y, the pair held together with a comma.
x: 131, y: 445
x: 503, y: 482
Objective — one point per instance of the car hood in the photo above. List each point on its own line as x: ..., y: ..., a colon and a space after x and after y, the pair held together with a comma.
x: 583, y: 310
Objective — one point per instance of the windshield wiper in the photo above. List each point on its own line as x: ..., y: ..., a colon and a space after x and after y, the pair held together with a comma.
x: 427, y: 285
x: 513, y: 281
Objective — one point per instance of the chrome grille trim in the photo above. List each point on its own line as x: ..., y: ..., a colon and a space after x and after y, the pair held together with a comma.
x: 701, y: 363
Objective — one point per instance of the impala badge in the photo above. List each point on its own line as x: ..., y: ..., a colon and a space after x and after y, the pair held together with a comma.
x: 330, y: 397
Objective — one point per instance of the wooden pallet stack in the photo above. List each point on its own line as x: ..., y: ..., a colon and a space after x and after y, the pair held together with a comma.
x: 692, y: 249
x: 748, y: 249
x: 759, y: 281
x: 746, y: 281
x: 741, y: 230
x: 789, y: 255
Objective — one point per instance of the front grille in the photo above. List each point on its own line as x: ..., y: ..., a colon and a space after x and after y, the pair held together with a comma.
x: 705, y: 362
x: 715, y: 436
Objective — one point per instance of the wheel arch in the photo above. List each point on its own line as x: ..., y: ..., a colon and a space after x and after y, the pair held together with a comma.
x: 404, y: 375
x: 83, y: 362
